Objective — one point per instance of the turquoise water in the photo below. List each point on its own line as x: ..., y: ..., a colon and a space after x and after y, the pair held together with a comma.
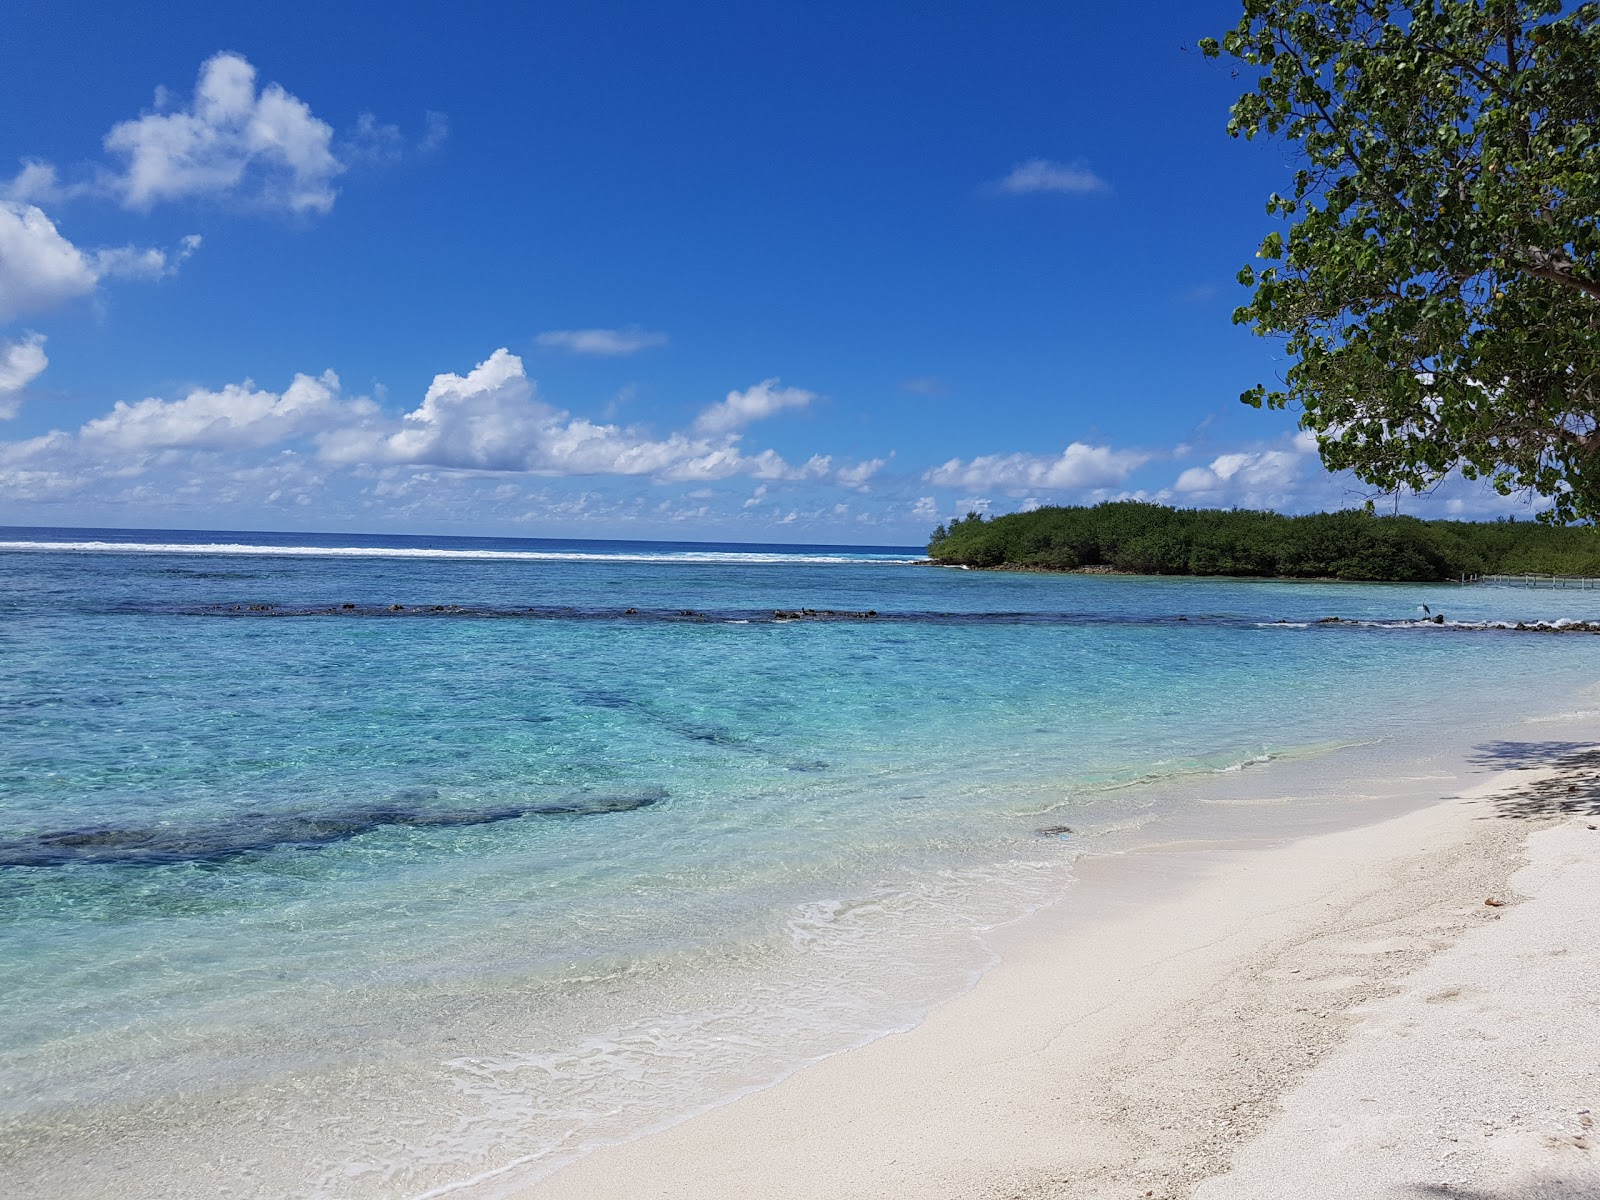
x: 389, y: 900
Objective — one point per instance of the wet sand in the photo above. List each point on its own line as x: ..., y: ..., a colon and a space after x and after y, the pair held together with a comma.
x: 1225, y: 1020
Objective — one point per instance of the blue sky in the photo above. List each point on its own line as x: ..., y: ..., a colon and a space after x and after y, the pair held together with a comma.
x: 766, y: 272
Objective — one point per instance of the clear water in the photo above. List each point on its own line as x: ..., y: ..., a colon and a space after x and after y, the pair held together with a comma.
x: 375, y: 902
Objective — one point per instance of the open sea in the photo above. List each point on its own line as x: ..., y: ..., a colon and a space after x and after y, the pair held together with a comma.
x: 368, y: 866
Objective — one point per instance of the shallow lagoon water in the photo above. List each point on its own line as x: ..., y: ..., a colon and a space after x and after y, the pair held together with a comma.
x: 390, y: 901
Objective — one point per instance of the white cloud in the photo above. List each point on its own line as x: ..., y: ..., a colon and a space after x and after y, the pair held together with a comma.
x: 36, y: 183
x: 1247, y: 474
x: 40, y: 269
x: 238, y: 417
x: 491, y: 419
x: 1042, y: 175
x: 436, y: 130
x: 134, y: 262
x: 373, y: 141
x: 265, y: 146
x: 610, y: 342
x: 926, y: 508
x: 448, y: 458
x: 1078, y: 466
x: 857, y: 476
x: 20, y: 364
x: 752, y: 404
x: 376, y: 142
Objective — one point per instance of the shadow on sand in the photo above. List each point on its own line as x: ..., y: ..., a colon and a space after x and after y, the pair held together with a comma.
x: 1533, y: 1189
x: 1573, y: 787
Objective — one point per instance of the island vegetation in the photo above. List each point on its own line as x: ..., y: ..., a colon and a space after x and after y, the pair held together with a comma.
x: 1153, y: 539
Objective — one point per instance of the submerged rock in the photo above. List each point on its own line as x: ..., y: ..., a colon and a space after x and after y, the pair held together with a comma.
x: 820, y: 614
x: 584, y: 804
x: 258, y: 833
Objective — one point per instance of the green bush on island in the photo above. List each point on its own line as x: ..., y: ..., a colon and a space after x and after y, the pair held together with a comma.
x: 1152, y: 539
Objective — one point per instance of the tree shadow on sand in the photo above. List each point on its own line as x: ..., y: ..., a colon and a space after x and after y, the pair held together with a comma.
x: 1538, y: 1189
x: 1572, y: 787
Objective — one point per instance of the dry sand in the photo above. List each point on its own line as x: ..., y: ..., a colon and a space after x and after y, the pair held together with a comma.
x: 1341, y: 1016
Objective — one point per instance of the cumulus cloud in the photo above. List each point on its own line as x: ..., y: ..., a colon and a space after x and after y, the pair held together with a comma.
x: 35, y: 183
x: 609, y: 342
x: 39, y: 268
x: 142, y: 262
x: 264, y: 145
x: 856, y: 476
x: 491, y: 419
x: 752, y: 404
x: 1078, y: 466
x: 1250, y: 473
x: 20, y: 364
x: 246, y: 445
x: 1042, y: 175
x: 240, y: 416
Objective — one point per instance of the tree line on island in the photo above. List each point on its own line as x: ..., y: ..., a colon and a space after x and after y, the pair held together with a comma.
x: 1152, y: 539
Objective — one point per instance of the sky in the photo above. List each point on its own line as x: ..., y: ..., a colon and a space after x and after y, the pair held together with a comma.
x: 779, y: 272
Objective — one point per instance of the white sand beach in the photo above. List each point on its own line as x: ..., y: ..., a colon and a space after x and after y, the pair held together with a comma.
x: 1340, y: 1016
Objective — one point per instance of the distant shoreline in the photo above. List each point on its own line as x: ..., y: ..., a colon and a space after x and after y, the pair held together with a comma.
x: 1102, y: 569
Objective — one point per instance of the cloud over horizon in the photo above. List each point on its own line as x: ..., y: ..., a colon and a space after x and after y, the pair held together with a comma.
x: 1254, y: 477
x: 489, y: 420
x: 238, y: 416
x: 1078, y: 466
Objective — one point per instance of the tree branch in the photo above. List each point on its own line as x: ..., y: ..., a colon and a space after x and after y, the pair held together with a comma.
x: 1543, y: 266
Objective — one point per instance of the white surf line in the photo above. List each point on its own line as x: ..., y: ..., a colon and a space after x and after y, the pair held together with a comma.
x: 244, y: 549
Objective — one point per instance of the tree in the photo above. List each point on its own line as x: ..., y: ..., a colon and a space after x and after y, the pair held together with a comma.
x: 1439, y: 287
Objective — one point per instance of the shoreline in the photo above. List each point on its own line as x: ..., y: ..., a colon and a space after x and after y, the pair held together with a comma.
x: 1133, y: 1038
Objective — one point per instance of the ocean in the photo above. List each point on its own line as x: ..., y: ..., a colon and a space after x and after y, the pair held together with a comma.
x: 360, y: 866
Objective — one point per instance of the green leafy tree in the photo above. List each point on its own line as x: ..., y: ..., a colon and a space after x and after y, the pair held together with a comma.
x: 1439, y: 286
